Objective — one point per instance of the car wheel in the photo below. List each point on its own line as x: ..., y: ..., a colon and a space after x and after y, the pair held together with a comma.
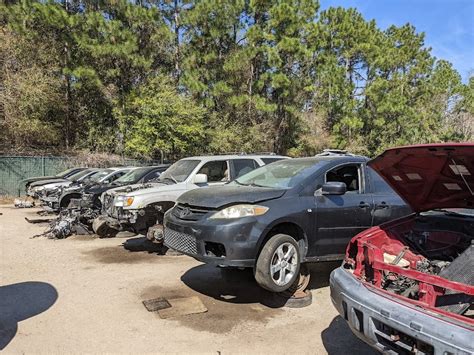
x: 278, y: 264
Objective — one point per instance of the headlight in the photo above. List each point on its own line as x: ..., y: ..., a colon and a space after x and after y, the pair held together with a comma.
x: 38, y: 188
x: 127, y: 201
x: 239, y: 211
x: 119, y: 201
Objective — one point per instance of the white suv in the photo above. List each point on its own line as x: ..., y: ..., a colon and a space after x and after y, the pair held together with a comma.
x: 138, y: 207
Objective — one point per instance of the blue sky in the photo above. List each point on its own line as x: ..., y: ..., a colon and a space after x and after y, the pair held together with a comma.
x: 448, y: 24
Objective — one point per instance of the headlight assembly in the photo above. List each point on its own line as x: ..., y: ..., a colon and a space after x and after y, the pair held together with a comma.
x: 127, y: 201
x: 239, y: 211
x: 119, y: 201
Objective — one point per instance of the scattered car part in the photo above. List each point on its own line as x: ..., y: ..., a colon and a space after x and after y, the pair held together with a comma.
x: 23, y: 203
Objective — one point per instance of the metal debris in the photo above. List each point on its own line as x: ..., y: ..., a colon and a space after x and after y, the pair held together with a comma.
x: 23, y: 203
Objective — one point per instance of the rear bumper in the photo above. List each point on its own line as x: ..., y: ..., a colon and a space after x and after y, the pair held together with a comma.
x: 391, y: 327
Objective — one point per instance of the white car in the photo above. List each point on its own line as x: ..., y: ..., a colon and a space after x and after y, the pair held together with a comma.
x: 138, y: 207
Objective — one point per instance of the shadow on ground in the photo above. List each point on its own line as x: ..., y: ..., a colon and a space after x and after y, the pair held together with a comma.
x: 239, y: 286
x: 143, y: 244
x: 338, y: 339
x: 22, y: 301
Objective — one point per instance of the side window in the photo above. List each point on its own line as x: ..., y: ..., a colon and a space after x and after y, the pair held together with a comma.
x: 348, y: 174
x: 378, y: 184
x: 150, y: 176
x: 243, y: 166
x: 216, y: 171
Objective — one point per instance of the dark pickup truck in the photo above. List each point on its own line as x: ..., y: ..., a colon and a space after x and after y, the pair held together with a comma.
x: 281, y: 215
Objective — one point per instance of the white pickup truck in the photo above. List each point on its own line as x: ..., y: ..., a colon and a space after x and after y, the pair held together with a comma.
x: 138, y: 207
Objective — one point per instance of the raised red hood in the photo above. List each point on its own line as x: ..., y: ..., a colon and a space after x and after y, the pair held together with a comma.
x: 430, y: 176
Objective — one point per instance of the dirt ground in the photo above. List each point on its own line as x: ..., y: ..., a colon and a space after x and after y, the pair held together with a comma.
x: 84, y: 295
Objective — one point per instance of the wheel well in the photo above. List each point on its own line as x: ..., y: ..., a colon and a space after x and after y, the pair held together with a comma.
x: 291, y: 229
x: 161, y: 208
x: 69, y: 197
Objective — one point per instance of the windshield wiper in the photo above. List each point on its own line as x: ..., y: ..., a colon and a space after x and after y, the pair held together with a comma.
x: 170, y: 177
x: 258, y: 185
x: 241, y: 184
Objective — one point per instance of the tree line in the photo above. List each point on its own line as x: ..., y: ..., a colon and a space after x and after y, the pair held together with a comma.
x: 179, y: 77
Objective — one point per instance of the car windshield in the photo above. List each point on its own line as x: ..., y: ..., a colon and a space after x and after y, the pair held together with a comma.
x: 65, y: 172
x: 132, y: 175
x: 100, y: 175
x: 179, y: 171
x: 79, y: 175
x: 283, y: 174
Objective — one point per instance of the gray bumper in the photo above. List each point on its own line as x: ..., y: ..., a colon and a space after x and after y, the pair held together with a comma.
x: 391, y: 327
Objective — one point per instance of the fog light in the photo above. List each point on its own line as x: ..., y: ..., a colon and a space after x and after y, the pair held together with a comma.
x: 215, y: 249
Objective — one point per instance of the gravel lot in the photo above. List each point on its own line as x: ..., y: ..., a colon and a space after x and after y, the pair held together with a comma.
x: 84, y: 294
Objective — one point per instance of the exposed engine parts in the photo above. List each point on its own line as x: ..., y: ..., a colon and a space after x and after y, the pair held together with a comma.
x: 77, y: 219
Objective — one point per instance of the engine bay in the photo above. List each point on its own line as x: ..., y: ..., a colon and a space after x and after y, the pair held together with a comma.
x: 428, y: 259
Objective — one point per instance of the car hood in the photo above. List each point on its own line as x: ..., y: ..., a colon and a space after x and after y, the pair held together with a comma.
x: 430, y: 176
x: 98, y: 189
x: 220, y: 196
x: 48, y: 181
x: 144, y: 188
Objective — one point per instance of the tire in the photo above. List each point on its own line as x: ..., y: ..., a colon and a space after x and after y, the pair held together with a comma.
x: 273, y: 253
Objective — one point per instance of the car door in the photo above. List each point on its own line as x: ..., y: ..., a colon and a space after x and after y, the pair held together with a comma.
x: 340, y: 217
x: 217, y: 172
x: 388, y: 204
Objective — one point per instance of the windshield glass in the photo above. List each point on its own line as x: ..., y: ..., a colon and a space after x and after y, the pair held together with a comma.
x: 100, y: 175
x: 79, y: 175
x: 132, y: 175
x: 281, y: 174
x: 65, y: 172
x: 179, y: 171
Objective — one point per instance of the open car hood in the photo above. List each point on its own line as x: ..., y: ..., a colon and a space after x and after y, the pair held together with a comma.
x: 430, y: 176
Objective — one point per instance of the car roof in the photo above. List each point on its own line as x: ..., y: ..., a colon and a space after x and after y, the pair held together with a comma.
x: 234, y: 156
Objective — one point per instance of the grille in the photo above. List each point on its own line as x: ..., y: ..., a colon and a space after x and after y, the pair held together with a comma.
x: 190, y: 213
x: 180, y: 241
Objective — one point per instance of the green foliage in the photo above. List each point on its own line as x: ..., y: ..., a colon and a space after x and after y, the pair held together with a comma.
x: 156, y: 118
x: 181, y: 77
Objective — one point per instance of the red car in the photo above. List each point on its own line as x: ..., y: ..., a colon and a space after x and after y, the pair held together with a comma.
x: 407, y: 286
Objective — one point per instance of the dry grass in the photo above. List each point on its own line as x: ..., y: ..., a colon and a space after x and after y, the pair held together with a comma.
x: 6, y: 200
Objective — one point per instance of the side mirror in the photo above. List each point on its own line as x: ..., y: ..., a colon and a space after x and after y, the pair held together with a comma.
x: 334, y: 188
x: 200, y: 179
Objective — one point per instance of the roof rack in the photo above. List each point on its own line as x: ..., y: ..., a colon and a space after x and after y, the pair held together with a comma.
x: 241, y: 153
x: 335, y: 152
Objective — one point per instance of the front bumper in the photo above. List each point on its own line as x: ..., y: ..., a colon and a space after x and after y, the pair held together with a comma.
x: 238, y: 238
x: 391, y: 327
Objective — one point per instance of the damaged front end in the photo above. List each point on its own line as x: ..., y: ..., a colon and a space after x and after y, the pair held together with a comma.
x: 426, y: 260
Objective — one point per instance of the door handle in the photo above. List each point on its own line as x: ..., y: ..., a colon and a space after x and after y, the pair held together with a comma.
x: 382, y: 205
x: 363, y: 204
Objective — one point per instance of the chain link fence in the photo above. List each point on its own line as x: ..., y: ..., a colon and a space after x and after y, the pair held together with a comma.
x: 13, y: 169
